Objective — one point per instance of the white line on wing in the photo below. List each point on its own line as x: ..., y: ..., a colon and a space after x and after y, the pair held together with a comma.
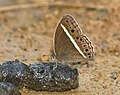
x: 72, y: 40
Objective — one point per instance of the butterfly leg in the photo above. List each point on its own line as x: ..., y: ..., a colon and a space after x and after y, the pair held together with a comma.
x: 80, y: 64
x: 87, y: 64
x: 54, y: 59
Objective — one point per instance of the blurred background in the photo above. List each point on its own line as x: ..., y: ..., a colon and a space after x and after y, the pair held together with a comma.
x: 27, y: 28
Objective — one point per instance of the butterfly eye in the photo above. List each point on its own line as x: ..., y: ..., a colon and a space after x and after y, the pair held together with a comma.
x: 72, y: 30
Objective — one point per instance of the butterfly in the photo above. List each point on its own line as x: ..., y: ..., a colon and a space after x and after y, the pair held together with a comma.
x: 70, y: 44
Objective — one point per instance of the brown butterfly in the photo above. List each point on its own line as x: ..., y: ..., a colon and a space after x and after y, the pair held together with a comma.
x: 71, y: 45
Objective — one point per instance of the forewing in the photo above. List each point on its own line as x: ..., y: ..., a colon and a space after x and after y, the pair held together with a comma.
x: 63, y: 47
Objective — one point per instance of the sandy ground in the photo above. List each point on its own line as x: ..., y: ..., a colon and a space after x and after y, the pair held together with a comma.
x: 27, y: 35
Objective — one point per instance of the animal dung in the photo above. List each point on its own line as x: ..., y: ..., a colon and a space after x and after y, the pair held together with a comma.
x: 39, y: 76
x: 8, y: 89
